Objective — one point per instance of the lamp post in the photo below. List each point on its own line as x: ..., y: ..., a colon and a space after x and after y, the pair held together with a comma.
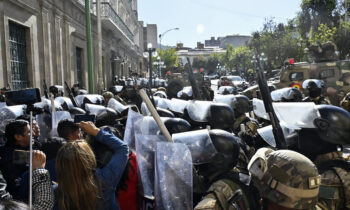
x: 161, y: 36
x: 150, y: 50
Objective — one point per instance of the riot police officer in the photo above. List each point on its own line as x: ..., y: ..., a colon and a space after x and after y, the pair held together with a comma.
x: 285, y: 179
x: 331, y: 133
x: 227, y: 190
x: 314, y: 88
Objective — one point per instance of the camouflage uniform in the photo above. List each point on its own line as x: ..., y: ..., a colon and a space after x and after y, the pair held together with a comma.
x: 286, y: 178
x: 229, y: 193
x: 335, y: 185
x: 318, y: 100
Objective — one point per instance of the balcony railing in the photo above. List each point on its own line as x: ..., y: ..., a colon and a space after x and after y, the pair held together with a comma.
x: 107, y: 11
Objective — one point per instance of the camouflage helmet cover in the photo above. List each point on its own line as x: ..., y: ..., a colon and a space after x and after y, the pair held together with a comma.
x: 285, y: 177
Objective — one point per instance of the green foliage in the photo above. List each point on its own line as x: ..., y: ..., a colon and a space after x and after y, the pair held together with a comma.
x: 278, y: 42
x: 199, y: 62
x: 212, y: 63
x: 169, y: 57
x: 323, y: 34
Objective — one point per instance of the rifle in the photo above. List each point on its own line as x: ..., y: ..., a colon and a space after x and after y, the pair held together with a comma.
x: 195, y: 89
x: 70, y: 94
x: 45, y: 90
x: 266, y: 97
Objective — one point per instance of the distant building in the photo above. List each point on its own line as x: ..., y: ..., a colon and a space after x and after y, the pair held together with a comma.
x: 212, y: 42
x: 184, y: 52
x: 150, y: 35
x: 200, y: 45
x: 235, y: 41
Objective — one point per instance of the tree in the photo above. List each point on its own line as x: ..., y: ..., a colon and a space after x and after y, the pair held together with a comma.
x: 323, y: 34
x: 199, y: 62
x: 169, y: 57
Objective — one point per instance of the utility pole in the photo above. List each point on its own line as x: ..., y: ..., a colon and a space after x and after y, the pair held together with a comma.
x: 89, y: 48
x: 100, y: 84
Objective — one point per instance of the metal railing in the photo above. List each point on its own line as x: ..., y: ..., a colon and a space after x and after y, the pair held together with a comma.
x: 107, y: 11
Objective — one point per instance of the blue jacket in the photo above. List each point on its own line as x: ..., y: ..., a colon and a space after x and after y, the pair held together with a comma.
x: 110, y: 175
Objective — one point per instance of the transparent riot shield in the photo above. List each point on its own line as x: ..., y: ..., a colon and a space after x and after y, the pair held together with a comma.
x: 199, y: 143
x: 177, y: 105
x: 173, y: 176
x: 145, y: 152
x: 95, y: 109
x: 115, y: 105
x: 199, y: 111
x: 285, y: 93
x: 58, y: 116
x: 226, y: 99
x: 148, y: 126
x: 292, y: 115
x: 80, y: 100
x: 267, y: 134
x: 129, y: 134
x: 226, y: 89
x: 9, y: 113
x: 45, y: 124
x: 2, y: 105
x: 186, y: 90
x: 160, y: 94
x: 94, y: 98
x: 64, y: 100
x: 46, y: 105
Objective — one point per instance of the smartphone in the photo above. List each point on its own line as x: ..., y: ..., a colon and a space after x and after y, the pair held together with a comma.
x: 21, y: 157
x: 26, y: 96
x: 85, y: 117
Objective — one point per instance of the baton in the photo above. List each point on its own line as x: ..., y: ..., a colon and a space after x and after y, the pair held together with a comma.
x: 31, y: 162
x: 155, y: 115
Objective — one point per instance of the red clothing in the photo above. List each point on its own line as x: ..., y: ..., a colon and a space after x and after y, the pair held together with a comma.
x: 128, y: 199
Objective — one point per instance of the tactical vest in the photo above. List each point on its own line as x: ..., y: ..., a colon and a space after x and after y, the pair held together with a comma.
x: 231, y: 191
x: 331, y: 190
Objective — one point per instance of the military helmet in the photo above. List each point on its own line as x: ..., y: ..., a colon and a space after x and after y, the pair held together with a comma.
x: 334, y: 124
x: 313, y: 86
x: 222, y: 116
x: 285, y: 177
x: 227, y: 147
x: 242, y: 105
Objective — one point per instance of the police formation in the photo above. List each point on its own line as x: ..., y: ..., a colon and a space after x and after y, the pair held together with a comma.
x: 224, y: 153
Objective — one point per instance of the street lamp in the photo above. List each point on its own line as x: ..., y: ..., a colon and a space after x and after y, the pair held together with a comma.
x: 149, y: 52
x: 161, y: 36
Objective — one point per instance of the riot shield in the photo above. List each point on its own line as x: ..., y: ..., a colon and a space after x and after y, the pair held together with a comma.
x: 115, y: 105
x: 129, y: 134
x: 64, y: 100
x: 159, y: 102
x: 57, y: 117
x: 267, y: 134
x: 46, y: 105
x: 80, y: 100
x: 226, y: 99
x: 45, y: 124
x: 318, y: 83
x: 287, y: 93
x: 94, y: 99
x: 148, y: 126
x: 226, y: 90
x: 160, y: 94
x: 173, y: 176
x: 9, y: 113
x: 292, y: 115
x: 186, y: 90
x: 199, y: 143
x: 177, y: 105
x: 145, y: 151
x: 199, y: 111
x: 2, y: 105
x: 95, y: 109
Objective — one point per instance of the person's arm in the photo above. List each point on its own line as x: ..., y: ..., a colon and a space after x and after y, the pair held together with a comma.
x: 112, y: 172
x: 42, y: 190
x: 4, y: 195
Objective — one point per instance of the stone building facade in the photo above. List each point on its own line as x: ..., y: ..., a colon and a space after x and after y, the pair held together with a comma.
x: 46, y: 40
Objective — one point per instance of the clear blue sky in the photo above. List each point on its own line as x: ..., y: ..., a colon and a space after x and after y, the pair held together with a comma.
x: 200, y: 19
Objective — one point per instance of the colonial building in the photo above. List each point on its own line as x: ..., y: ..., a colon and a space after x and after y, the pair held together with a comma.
x: 46, y: 40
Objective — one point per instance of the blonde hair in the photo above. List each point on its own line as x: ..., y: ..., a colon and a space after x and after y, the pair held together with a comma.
x: 78, y: 187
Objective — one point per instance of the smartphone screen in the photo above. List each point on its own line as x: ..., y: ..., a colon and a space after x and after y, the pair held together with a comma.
x: 84, y: 117
x: 21, y: 157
